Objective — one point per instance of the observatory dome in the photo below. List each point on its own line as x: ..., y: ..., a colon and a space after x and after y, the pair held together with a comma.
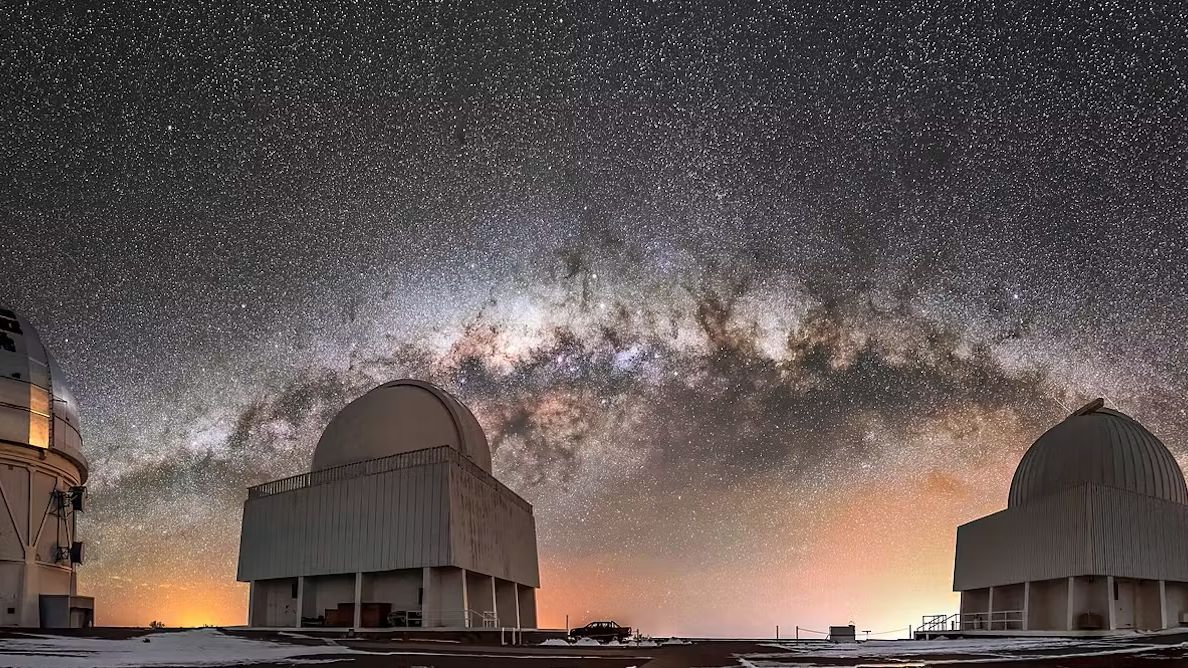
x: 397, y: 417
x: 37, y: 408
x: 1102, y: 446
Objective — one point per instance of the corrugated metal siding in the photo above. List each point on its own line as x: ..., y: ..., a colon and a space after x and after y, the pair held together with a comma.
x: 439, y: 514
x: 1044, y: 542
x: 1139, y: 536
x: 1086, y: 530
x: 376, y: 522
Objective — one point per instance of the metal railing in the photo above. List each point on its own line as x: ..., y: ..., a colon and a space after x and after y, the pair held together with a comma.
x: 940, y: 623
x: 424, y: 457
x: 462, y: 618
x: 998, y: 620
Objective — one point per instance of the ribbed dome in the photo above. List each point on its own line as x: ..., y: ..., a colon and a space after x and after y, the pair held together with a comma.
x: 1102, y: 446
x: 401, y: 416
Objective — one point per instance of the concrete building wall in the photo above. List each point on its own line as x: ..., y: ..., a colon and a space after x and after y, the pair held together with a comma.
x: 527, y: 606
x: 1176, y: 601
x: 480, y: 595
x: 1147, y: 611
x: 1009, y: 597
x: 1090, y: 603
x: 507, y: 603
x: 1085, y: 530
x: 450, y: 598
x: 274, y: 603
x: 400, y: 588
x: 1047, y: 604
x: 328, y: 591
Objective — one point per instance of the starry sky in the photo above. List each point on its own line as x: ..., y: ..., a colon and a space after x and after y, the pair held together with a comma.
x: 756, y: 302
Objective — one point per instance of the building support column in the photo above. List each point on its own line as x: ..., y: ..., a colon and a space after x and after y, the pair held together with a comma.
x: 1069, y: 610
x: 1163, y: 604
x: 252, y: 603
x: 1026, y: 604
x: 358, y: 600
x: 1113, y: 602
x: 430, y: 612
x: 465, y: 601
x: 300, y: 599
x: 990, y: 610
x: 517, y: 590
x: 494, y: 600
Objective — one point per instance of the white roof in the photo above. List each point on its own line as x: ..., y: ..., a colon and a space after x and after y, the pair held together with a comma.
x: 32, y: 390
x: 397, y: 417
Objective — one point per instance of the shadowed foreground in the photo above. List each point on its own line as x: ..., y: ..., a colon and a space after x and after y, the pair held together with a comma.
x: 128, y: 648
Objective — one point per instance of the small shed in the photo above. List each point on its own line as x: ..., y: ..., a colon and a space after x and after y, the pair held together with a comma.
x: 842, y: 634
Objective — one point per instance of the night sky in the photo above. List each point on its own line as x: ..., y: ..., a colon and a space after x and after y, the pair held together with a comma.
x: 756, y: 304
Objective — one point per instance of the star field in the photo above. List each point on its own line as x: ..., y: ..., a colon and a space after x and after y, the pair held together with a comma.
x: 755, y: 303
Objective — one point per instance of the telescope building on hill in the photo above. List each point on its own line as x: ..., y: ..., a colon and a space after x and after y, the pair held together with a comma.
x: 42, y: 472
x: 399, y: 523
x: 1094, y: 537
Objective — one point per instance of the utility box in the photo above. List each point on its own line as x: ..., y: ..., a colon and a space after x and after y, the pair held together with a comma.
x: 842, y: 634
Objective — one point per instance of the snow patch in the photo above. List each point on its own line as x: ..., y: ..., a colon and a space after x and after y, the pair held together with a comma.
x: 198, y: 647
x: 945, y: 652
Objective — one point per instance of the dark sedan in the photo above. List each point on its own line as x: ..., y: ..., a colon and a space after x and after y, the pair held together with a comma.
x: 602, y: 631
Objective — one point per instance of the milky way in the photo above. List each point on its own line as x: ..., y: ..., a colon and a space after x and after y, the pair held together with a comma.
x: 756, y: 304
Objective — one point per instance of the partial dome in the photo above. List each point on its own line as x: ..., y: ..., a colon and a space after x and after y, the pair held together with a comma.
x: 397, y: 417
x: 1102, y: 446
x: 37, y: 408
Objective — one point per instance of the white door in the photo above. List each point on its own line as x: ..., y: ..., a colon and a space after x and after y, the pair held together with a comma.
x: 1124, y: 593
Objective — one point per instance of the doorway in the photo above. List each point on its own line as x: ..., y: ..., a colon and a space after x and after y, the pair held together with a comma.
x: 1124, y: 603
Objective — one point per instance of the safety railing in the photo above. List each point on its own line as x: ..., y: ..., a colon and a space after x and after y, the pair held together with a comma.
x: 462, y: 618
x: 940, y: 623
x: 997, y: 620
x: 424, y: 457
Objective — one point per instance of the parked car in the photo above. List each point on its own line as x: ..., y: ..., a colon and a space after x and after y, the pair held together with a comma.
x: 602, y: 631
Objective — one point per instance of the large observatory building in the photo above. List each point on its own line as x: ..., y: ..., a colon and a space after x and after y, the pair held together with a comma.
x: 399, y: 523
x: 42, y: 471
x: 1094, y: 537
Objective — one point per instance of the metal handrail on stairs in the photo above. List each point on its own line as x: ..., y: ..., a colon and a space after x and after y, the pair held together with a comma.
x: 940, y: 623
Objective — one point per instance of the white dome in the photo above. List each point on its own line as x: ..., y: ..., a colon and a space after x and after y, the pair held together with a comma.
x: 1102, y: 446
x: 37, y: 409
x: 397, y: 417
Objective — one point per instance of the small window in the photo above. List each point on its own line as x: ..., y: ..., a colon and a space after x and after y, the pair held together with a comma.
x: 294, y: 594
x: 1115, y: 590
x: 420, y: 596
x: 12, y: 611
